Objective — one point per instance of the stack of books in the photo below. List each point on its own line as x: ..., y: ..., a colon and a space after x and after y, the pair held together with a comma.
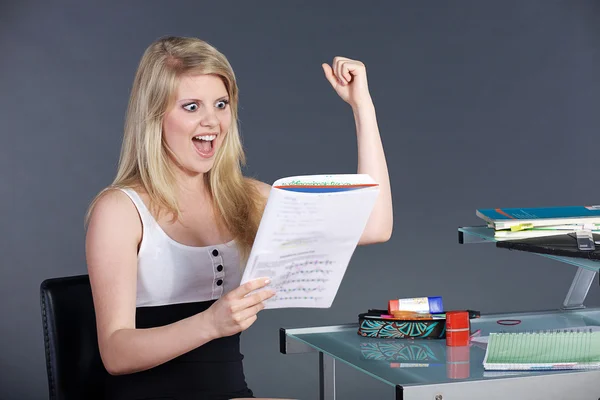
x: 526, y: 223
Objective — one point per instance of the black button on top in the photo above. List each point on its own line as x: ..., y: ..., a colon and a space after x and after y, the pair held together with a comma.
x: 215, y: 252
x: 219, y: 268
x: 219, y: 282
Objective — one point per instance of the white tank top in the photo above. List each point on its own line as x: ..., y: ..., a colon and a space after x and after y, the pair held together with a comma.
x: 169, y: 272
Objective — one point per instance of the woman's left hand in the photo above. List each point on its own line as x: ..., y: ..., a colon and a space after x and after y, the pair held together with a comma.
x: 349, y: 79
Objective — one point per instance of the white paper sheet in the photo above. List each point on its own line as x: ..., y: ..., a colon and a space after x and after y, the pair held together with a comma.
x: 306, y: 240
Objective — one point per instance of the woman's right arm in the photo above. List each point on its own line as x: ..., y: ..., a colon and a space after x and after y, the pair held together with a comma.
x: 113, y: 235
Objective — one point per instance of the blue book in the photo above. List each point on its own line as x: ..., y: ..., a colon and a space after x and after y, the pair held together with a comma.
x: 507, y: 218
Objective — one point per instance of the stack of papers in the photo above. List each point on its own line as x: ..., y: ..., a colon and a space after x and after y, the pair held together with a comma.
x: 525, y: 223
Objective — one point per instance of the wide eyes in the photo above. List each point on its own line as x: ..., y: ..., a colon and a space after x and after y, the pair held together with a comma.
x: 221, y: 104
x: 191, y: 107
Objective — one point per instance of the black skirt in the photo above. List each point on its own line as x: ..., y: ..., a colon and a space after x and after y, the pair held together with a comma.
x: 213, y: 371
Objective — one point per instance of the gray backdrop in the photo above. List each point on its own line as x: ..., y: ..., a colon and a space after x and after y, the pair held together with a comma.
x: 480, y: 104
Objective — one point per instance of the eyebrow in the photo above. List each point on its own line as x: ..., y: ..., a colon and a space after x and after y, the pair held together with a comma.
x: 200, y: 101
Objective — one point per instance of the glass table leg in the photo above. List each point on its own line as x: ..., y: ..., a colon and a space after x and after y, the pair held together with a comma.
x: 579, y: 289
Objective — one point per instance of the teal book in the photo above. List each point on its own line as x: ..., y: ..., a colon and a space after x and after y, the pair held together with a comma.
x: 536, y: 351
x: 505, y: 218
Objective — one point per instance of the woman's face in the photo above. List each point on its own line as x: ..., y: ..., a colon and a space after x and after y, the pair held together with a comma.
x: 196, y: 124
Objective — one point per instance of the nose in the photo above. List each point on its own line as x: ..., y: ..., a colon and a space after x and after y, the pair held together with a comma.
x: 209, y: 119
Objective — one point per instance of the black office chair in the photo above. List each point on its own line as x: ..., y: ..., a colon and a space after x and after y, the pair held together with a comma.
x: 73, y: 364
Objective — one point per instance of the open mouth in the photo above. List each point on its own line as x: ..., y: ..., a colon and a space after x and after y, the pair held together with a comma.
x: 204, y: 144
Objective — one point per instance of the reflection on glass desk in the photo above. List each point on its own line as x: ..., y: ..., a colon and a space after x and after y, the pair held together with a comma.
x: 428, y: 369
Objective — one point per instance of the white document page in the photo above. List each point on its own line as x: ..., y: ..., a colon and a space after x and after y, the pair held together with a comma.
x: 305, y: 241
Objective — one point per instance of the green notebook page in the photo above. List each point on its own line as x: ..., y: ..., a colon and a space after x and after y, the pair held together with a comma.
x: 543, y: 350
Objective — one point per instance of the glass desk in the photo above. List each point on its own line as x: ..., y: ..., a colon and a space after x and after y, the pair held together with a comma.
x: 586, y: 269
x: 428, y: 369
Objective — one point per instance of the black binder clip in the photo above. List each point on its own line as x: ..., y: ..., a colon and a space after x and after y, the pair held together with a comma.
x: 585, y: 240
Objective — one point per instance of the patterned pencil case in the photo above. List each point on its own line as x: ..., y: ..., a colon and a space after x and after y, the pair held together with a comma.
x: 371, y: 324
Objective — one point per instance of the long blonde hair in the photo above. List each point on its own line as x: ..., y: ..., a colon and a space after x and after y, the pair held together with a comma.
x: 144, y: 159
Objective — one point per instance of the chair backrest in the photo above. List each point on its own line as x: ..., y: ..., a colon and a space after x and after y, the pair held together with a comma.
x: 73, y: 363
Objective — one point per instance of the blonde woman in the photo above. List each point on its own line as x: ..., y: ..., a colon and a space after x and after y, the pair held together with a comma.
x: 166, y: 241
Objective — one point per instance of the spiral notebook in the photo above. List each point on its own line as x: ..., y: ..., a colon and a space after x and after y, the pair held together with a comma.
x: 543, y: 350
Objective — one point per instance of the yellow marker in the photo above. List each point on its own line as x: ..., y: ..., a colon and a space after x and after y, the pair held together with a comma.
x: 411, y: 315
x: 521, y: 227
